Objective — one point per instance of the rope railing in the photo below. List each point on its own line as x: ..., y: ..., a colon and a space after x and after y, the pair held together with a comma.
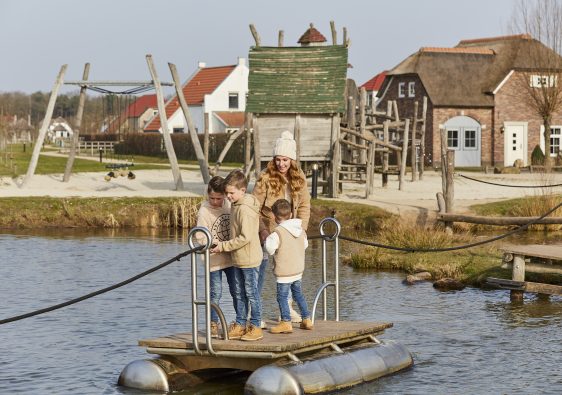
x: 509, y: 185
x: 101, y: 291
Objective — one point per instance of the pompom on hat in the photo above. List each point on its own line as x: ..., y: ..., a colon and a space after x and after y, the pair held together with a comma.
x: 286, y: 146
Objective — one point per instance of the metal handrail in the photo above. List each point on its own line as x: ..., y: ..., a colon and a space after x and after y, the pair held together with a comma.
x: 325, y: 283
x: 195, y: 301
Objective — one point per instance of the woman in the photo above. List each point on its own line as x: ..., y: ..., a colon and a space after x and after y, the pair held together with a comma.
x: 281, y: 179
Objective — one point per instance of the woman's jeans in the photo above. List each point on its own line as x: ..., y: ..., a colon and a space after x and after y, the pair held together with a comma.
x: 283, y: 299
x: 246, y: 284
x: 216, y: 289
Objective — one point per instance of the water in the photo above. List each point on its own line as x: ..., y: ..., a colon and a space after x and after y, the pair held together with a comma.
x: 471, y: 341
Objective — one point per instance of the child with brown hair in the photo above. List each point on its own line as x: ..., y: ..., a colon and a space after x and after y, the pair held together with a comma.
x: 287, y: 244
x: 214, y: 214
x: 246, y: 254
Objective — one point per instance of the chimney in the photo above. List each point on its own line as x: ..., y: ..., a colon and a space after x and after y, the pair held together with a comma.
x: 241, y: 61
x: 201, y: 65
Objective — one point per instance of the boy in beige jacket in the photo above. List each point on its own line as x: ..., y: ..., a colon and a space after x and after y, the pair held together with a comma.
x: 246, y: 254
x: 287, y: 244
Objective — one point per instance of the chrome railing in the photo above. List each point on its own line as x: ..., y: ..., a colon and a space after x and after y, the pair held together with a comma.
x: 322, y: 289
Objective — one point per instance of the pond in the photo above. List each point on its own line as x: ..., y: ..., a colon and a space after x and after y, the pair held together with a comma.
x: 472, y: 341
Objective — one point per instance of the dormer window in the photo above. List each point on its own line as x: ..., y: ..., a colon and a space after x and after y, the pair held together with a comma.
x: 401, y: 89
x: 233, y: 100
x: 411, y: 89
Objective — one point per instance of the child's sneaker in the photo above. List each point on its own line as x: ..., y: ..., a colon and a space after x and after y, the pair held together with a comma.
x: 235, y: 331
x: 307, y: 324
x: 214, y: 329
x: 252, y: 334
x: 263, y: 325
x: 282, y: 327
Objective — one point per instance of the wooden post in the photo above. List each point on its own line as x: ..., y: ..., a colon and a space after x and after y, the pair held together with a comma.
x: 518, y: 274
x: 413, y: 147
x: 345, y: 39
x: 297, y: 137
x: 385, y: 155
x: 44, y: 126
x: 404, y: 154
x: 203, y: 165
x: 422, y: 137
x: 231, y: 139
x: 443, y: 146
x: 362, y: 122
x: 255, y: 34
x: 164, y: 123
x: 395, y: 108
x: 257, y: 148
x: 370, y: 169
x: 336, y: 156
x: 281, y: 38
x: 334, y: 33
x: 450, y: 196
x: 206, y: 137
x: 247, y: 143
x: 77, y: 125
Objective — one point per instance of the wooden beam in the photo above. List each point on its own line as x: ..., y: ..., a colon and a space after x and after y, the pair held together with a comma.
x: 281, y: 38
x: 231, y: 139
x: 385, y: 155
x: 404, y: 156
x: 547, y: 289
x: 77, y: 125
x: 255, y: 35
x: 248, y: 159
x: 422, y: 138
x: 536, y: 268
x: 362, y: 122
x: 413, y: 161
x: 334, y: 33
x: 352, y: 144
x: 203, y: 164
x: 44, y: 127
x: 499, y: 221
x: 257, y: 148
x: 297, y: 137
x: 164, y: 123
x: 336, y: 156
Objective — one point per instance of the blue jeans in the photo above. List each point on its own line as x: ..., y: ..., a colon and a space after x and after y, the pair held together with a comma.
x: 246, y: 284
x: 283, y: 299
x: 261, y: 277
x: 216, y: 289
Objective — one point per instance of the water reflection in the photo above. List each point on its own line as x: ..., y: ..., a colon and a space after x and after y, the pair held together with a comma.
x: 534, y: 311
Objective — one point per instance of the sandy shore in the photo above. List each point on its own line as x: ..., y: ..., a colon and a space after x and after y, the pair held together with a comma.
x: 417, y: 198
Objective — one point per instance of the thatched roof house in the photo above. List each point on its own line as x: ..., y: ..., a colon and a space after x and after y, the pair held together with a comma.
x: 473, y: 93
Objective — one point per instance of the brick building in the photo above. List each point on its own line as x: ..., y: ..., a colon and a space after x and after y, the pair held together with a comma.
x: 475, y: 93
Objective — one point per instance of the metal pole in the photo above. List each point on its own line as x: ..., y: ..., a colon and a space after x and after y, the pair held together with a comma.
x: 314, y: 181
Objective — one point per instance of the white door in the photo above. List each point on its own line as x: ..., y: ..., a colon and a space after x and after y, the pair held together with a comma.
x: 515, y: 143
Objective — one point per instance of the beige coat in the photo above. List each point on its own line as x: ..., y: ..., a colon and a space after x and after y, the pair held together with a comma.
x: 217, y: 220
x: 300, y: 203
x: 244, y: 244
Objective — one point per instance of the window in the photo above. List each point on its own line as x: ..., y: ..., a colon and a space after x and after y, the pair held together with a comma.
x: 470, y: 139
x: 233, y: 100
x: 539, y: 81
x: 401, y: 89
x: 411, y: 89
x: 555, y: 137
x: 177, y: 130
x: 453, y: 138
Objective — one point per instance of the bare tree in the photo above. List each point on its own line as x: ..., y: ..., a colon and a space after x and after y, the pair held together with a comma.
x: 540, y: 79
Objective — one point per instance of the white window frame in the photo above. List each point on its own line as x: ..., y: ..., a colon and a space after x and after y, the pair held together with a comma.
x: 231, y: 95
x: 465, y: 147
x: 401, y: 89
x: 411, y: 89
x: 458, y: 146
x: 553, y: 136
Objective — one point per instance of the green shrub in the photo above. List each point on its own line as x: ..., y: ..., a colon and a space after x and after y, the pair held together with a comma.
x: 537, y: 156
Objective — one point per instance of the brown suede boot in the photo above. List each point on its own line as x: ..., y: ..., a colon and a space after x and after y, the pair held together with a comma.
x: 282, y: 327
x: 307, y: 324
x: 253, y: 333
x: 235, y: 331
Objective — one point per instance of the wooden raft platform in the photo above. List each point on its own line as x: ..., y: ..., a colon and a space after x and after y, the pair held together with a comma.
x: 323, y: 334
x: 517, y: 258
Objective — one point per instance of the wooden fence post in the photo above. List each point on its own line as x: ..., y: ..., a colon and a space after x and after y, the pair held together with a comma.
x: 44, y: 126
x: 257, y: 148
x: 164, y: 123
x: 77, y: 125
x: 413, y: 147
x: 404, y: 154
x: 422, y: 137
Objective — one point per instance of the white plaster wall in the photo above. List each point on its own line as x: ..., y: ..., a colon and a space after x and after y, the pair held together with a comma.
x: 177, y: 120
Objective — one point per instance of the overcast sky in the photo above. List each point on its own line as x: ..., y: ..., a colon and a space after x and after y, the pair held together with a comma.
x: 38, y: 36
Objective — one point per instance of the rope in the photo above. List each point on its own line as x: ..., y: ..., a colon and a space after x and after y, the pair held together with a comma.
x: 461, y: 247
x: 507, y: 185
x: 101, y: 291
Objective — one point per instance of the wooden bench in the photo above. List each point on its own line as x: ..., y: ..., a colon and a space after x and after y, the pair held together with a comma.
x: 518, y: 257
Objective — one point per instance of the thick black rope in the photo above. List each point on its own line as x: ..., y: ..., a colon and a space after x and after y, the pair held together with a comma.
x: 508, y: 185
x: 101, y: 291
x: 461, y: 247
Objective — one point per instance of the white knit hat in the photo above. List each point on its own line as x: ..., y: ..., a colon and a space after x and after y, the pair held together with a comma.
x: 286, y: 146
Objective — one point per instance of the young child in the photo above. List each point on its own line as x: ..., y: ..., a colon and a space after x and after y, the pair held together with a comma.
x: 214, y: 214
x: 287, y: 244
x: 246, y: 254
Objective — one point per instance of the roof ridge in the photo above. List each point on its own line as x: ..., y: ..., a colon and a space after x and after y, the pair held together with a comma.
x: 481, y: 51
x: 523, y: 36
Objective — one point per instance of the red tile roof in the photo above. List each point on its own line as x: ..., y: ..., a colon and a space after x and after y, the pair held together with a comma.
x: 374, y: 83
x: 205, y: 81
x: 478, y: 51
x: 498, y: 38
x: 234, y: 119
x: 312, y: 36
x: 138, y: 107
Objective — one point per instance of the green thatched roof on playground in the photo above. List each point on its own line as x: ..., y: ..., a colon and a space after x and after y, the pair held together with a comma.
x: 306, y: 80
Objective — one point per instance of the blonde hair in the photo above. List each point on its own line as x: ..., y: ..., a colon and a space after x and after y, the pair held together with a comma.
x: 277, y: 182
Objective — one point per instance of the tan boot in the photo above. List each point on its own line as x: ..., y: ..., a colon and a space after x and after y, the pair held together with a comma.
x: 253, y: 333
x: 214, y: 329
x: 235, y: 331
x: 307, y: 324
x: 282, y: 327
